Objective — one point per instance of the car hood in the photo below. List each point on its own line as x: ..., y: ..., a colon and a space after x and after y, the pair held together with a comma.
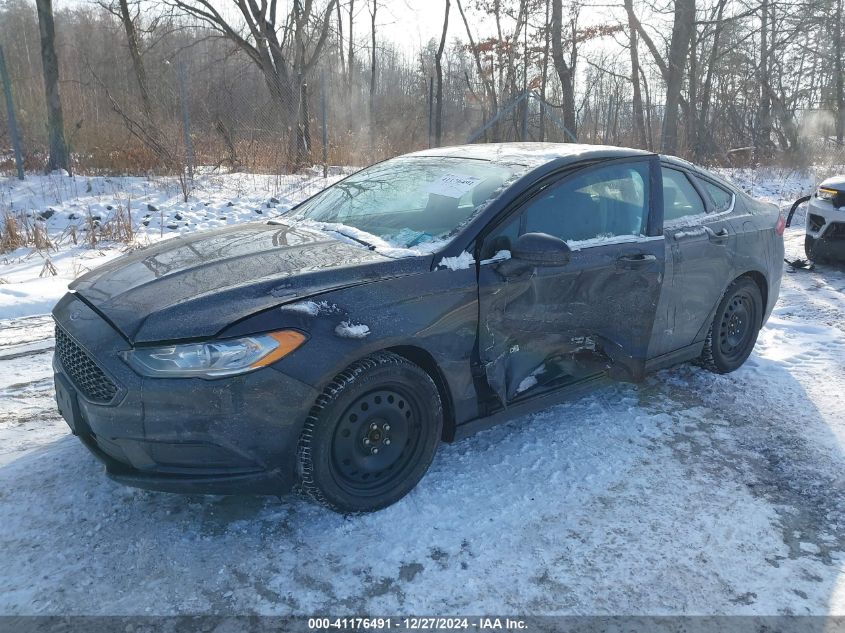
x: 834, y: 182
x: 196, y: 285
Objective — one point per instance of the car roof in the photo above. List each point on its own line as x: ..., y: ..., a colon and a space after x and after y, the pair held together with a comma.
x: 674, y: 161
x: 531, y: 154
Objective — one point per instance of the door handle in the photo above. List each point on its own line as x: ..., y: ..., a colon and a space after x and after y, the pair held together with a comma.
x: 638, y: 260
x: 719, y: 236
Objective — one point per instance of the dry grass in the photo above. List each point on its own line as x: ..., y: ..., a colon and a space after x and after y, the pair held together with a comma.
x: 11, y: 237
x: 18, y: 230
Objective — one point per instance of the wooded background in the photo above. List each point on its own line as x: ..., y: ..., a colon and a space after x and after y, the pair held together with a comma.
x: 163, y: 86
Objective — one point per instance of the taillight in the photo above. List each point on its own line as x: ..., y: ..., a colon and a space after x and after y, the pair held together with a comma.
x: 780, y: 226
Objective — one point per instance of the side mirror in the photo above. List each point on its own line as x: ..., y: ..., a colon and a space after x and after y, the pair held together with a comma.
x: 541, y: 249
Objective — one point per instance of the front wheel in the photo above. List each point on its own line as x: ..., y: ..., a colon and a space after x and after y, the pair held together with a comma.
x: 371, y: 435
x: 810, y: 247
x: 737, y: 322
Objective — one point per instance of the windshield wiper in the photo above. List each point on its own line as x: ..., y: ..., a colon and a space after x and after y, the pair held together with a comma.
x: 357, y: 239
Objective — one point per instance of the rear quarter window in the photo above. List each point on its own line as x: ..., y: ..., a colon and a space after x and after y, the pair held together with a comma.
x: 721, y: 198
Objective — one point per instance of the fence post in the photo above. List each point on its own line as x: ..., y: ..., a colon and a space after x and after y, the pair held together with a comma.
x: 10, y: 111
x: 430, y: 111
x: 325, y: 124
x: 186, y: 122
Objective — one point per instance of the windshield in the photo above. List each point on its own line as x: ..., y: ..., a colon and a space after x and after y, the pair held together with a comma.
x: 408, y: 201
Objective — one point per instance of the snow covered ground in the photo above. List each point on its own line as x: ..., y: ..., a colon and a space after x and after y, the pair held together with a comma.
x: 691, y: 493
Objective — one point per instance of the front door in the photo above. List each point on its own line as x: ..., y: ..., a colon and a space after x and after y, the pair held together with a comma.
x: 545, y: 325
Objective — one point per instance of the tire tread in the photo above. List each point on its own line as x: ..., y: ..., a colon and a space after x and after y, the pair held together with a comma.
x: 707, y: 360
x: 333, y: 390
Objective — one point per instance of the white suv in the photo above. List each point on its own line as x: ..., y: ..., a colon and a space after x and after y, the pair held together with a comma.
x: 826, y: 221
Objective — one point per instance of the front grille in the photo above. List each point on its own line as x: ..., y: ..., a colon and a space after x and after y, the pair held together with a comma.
x: 836, y: 231
x: 82, y: 370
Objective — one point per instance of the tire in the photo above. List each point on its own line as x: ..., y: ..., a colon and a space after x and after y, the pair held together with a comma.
x: 810, y: 247
x: 371, y: 436
x: 735, y: 326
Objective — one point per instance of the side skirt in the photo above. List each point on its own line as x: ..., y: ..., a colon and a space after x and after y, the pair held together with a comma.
x: 532, y: 405
x: 690, y: 352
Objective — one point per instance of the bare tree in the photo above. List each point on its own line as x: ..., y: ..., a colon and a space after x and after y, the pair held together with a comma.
x: 58, y: 157
x: 763, y: 125
x: 350, y: 56
x: 682, y: 28
x: 373, y: 10
x: 485, y: 78
x: 840, y: 72
x: 640, y: 139
x: 284, y: 53
x: 564, y: 71
x: 137, y: 61
x: 438, y: 69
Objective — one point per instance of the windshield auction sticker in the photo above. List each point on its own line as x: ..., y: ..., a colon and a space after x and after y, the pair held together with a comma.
x: 453, y: 185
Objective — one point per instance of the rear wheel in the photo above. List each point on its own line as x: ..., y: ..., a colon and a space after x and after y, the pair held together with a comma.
x: 371, y: 435
x: 735, y: 326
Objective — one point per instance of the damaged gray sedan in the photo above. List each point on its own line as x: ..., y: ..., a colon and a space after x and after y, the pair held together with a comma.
x: 417, y: 301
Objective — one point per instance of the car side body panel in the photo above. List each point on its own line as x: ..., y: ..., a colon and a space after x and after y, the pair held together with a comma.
x: 240, y: 434
x: 440, y: 317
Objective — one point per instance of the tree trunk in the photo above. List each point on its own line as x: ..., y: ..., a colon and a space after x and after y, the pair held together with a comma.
x: 564, y: 72
x: 840, y: 74
x: 135, y: 55
x: 340, y: 41
x: 637, y: 105
x: 373, y: 80
x: 438, y: 70
x: 58, y: 158
x: 545, y: 77
x: 678, y: 49
x: 350, y: 55
x: 489, y: 88
x: 763, y: 131
x: 704, y: 135
x: 692, y: 89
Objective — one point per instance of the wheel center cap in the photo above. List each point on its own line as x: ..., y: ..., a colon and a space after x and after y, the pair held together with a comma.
x: 376, y: 436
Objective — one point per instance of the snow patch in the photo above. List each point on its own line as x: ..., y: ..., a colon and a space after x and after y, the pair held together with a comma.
x: 311, y: 308
x: 461, y: 262
x: 351, y: 330
x: 303, y: 307
x: 531, y: 379
x: 679, y: 235
x: 500, y: 256
x: 601, y: 240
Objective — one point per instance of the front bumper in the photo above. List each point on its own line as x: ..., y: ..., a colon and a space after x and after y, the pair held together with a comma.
x: 227, y: 436
x: 826, y: 225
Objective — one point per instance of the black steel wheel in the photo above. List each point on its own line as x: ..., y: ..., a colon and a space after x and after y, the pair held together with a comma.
x: 371, y: 435
x: 737, y: 322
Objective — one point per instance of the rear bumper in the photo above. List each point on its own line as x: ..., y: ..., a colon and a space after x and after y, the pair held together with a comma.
x: 229, y: 436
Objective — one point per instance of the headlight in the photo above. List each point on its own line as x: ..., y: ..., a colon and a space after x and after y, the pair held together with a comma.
x: 214, y: 359
x: 826, y: 194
